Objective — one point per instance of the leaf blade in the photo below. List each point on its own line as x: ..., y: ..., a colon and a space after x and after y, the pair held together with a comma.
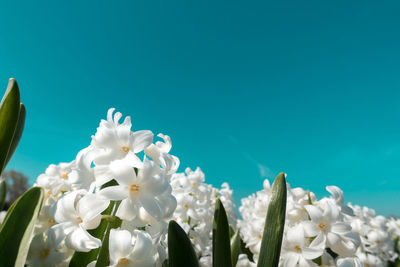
x: 235, y: 247
x: 18, y: 225
x: 180, y: 249
x: 9, y: 112
x: 274, y: 225
x: 221, y: 237
x: 17, y: 133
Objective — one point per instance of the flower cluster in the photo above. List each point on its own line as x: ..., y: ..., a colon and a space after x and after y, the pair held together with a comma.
x: 323, y: 232
x: 195, y: 209
x: 122, y: 171
x: 124, y: 179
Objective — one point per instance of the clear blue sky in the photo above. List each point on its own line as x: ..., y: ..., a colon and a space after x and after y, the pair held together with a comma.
x: 311, y: 88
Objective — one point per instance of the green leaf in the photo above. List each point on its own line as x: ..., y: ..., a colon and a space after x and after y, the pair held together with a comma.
x: 9, y: 112
x: 180, y: 250
x: 17, y: 228
x: 18, y: 132
x: 245, y: 250
x: 221, y: 238
x: 235, y: 247
x: 3, y: 193
x: 274, y: 225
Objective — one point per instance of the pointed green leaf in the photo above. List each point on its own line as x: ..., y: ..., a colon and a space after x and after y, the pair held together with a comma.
x: 9, y: 112
x: 235, y: 247
x: 221, y: 238
x: 17, y: 133
x: 17, y: 228
x: 180, y: 249
x: 3, y: 193
x: 274, y: 225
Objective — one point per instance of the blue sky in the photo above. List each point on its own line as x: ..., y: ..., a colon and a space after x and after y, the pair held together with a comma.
x: 311, y: 88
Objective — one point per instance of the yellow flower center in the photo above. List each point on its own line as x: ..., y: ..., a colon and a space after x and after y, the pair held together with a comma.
x: 123, y: 261
x: 79, y: 219
x: 297, y: 248
x: 133, y: 188
x: 322, y: 226
x: 44, y: 253
x: 125, y: 149
x: 64, y: 175
x: 51, y: 221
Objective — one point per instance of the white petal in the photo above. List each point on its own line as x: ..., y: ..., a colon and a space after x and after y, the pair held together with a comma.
x: 311, y: 253
x: 122, y: 172
x: 81, y: 240
x: 90, y: 206
x: 290, y: 260
x: 142, y: 251
x: 341, y: 228
x: 315, y: 213
x: 119, y: 244
x: 141, y: 140
x: 310, y: 228
x: 151, y: 206
x: 117, y: 192
x: 127, y: 210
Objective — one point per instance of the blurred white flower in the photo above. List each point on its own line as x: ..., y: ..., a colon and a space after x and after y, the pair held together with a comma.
x: 128, y: 250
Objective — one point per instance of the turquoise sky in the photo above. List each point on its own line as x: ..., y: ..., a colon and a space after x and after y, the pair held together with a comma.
x: 245, y: 89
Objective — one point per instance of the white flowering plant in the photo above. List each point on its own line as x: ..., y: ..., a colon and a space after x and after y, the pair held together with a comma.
x: 121, y: 202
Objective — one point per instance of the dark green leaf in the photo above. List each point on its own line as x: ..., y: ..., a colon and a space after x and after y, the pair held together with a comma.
x: 245, y: 250
x: 274, y: 225
x: 17, y: 228
x: 180, y: 250
x: 221, y: 238
x: 18, y: 132
x: 235, y: 247
x: 9, y: 112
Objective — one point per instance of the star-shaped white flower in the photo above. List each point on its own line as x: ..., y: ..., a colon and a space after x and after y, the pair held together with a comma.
x: 75, y: 213
x: 135, y: 191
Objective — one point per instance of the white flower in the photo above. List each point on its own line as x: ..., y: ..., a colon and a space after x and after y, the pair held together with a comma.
x: 296, y: 250
x: 136, y: 191
x: 75, y: 213
x: 327, y: 225
x: 116, y: 141
x: 43, y: 251
x: 128, y: 250
x: 58, y: 178
x: 159, y: 153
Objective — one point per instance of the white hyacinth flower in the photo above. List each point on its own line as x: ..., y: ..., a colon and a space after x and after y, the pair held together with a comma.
x: 77, y: 212
x: 327, y: 225
x: 127, y: 250
x: 44, y: 250
x: 136, y: 191
x: 115, y: 141
x: 296, y: 250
